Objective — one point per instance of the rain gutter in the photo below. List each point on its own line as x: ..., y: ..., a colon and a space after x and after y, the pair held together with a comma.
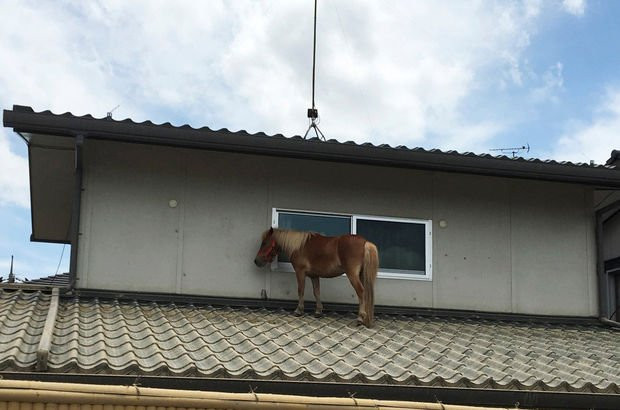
x: 356, y: 392
x: 141, y: 397
x: 76, y: 209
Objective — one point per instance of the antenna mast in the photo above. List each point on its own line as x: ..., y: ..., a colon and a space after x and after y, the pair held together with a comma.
x: 109, y: 114
x: 313, y: 113
x: 11, y: 274
x: 513, y: 150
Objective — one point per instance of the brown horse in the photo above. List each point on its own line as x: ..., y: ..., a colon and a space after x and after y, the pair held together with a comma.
x: 319, y: 256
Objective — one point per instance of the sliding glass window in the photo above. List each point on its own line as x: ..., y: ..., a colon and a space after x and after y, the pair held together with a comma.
x: 404, y: 244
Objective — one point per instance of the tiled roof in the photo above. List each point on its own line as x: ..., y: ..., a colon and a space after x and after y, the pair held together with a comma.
x: 165, y: 339
x: 22, y: 318
x: 25, y: 120
x: 149, y: 123
x: 60, y: 280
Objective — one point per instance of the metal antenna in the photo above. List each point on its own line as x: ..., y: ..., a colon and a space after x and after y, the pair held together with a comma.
x: 513, y: 150
x: 313, y: 113
x: 109, y: 114
x: 11, y: 274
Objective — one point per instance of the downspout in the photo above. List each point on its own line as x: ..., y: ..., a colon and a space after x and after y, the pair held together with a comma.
x: 603, y: 290
x: 75, y: 213
x: 29, y: 183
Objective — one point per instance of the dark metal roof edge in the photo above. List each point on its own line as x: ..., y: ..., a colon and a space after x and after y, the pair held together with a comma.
x: 24, y: 119
x: 29, y: 287
x: 43, y: 240
x: 446, y: 395
x: 59, y: 280
x: 329, y: 307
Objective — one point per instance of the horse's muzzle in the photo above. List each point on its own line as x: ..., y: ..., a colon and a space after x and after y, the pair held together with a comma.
x: 260, y: 262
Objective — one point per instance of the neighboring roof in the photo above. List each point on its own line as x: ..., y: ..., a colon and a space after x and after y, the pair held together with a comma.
x: 60, y: 280
x: 615, y: 155
x: 120, y: 337
x: 27, y: 122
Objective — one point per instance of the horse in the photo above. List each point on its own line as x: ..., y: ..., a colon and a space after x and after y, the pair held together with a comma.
x: 318, y: 256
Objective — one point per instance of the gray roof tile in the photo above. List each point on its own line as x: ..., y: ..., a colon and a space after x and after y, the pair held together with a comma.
x: 22, y: 318
x: 142, y: 338
x: 59, y: 280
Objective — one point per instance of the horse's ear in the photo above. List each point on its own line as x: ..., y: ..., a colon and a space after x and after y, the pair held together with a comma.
x: 271, y: 230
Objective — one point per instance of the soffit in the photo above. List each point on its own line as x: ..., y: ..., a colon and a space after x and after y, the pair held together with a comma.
x: 52, y: 181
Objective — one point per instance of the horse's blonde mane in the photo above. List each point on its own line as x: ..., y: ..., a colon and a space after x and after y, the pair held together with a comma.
x: 290, y: 241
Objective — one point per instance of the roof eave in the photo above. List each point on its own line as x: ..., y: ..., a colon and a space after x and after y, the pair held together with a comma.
x: 470, y: 396
x: 24, y: 119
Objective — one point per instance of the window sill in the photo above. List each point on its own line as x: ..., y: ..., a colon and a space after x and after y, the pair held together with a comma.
x: 402, y: 276
x: 288, y: 268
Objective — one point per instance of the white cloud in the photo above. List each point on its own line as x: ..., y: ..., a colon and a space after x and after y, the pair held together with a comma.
x: 472, y: 138
x: 13, y: 176
x: 399, y: 70
x: 392, y: 72
x: 574, y: 7
x: 552, y: 84
x: 595, y: 139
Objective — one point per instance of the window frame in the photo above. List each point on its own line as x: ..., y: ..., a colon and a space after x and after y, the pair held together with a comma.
x: 383, y: 273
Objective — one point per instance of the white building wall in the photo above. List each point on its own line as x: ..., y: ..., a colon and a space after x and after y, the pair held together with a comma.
x: 509, y: 245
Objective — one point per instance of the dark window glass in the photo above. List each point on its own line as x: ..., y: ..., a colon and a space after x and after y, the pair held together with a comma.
x: 323, y: 224
x: 401, y: 245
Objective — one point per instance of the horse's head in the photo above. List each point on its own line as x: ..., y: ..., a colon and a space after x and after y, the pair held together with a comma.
x: 268, y: 249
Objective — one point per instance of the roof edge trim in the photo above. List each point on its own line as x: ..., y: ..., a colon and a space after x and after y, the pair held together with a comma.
x: 452, y: 395
x: 25, y: 119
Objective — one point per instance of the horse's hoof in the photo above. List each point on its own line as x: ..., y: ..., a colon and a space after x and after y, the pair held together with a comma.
x: 298, y: 313
x: 318, y: 314
x: 359, y: 322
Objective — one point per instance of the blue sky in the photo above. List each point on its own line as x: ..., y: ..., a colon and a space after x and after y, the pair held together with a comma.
x: 470, y: 76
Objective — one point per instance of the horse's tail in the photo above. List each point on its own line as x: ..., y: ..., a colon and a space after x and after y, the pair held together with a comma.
x: 371, y: 265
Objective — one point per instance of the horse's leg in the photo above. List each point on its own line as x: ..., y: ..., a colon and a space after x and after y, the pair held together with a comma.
x: 316, y: 287
x: 301, y: 285
x: 354, y: 278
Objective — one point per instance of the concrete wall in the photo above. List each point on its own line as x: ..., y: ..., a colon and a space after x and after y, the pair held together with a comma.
x: 509, y: 245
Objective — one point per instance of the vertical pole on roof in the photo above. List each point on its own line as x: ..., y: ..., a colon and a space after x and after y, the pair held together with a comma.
x: 11, y: 274
x: 313, y: 113
x: 75, y: 214
x: 314, y: 55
